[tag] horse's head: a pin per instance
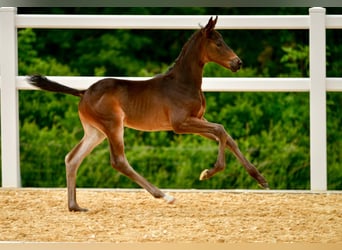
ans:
(216, 50)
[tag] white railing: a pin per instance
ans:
(317, 84)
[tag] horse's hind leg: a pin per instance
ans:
(120, 163)
(92, 138)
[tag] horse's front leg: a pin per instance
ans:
(232, 146)
(250, 168)
(193, 125)
(220, 162)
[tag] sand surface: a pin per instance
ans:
(41, 215)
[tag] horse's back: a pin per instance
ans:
(140, 104)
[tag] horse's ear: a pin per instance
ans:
(210, 25)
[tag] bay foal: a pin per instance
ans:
(170, 101)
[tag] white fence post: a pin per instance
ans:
(9, 99)
(318, 123)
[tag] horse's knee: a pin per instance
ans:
(220, 131)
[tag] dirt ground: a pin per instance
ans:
(41, 215)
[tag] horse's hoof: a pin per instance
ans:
(169, 199)
(204, 175)
(264, 186)
(77, 209)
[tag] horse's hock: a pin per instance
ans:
(40, 215)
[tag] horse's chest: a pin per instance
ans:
(199, 106)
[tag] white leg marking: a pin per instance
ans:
(169, 199)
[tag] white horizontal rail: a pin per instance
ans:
(333, 22)
(168, 22)
(233, 84)
(159, 22)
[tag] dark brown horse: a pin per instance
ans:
(170, 101)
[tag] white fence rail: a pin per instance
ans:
(317, 84)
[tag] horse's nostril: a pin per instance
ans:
(238, 61)
(236, 64)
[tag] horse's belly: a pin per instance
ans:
(149, 127)
(148, 123)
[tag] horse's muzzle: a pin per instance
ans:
(235, 64)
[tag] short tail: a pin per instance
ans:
(45, 84)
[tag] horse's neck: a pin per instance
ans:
(189, 67)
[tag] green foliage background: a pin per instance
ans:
(272, 129)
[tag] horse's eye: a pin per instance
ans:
(218, 43)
